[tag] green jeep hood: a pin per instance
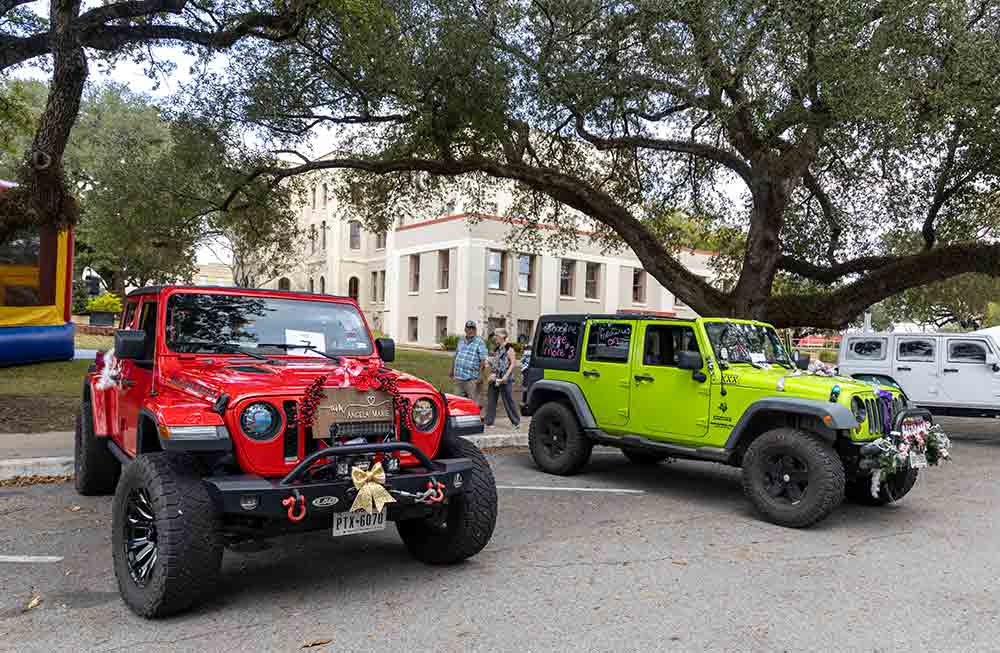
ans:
(807, 386)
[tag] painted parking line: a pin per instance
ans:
(549, 488)
(31, 559)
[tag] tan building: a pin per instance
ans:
(213, 274)
(426, 277)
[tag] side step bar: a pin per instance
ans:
(712, 454)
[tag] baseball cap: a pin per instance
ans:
(470, 325)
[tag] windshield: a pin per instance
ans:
(264, 325)
(737, 342)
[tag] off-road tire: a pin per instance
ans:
(466, 524)
(644, 457)
(189, 546)
(95, 468)
(825, 473)
(897, 487)
(575, 452)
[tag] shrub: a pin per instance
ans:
(105, 303)
(828, 357)
(450, 341)
(80, 297)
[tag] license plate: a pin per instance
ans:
(353, 523)
(918, 460)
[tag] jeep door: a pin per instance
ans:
(967, 373)
(667, 402)
(604, 370)
(137, 376)
(915, 367)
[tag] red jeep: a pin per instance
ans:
(233, 414)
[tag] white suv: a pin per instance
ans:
(947, 373)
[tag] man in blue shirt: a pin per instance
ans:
(470, 360)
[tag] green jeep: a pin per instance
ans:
(720, 390)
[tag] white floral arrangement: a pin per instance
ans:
(894, 450)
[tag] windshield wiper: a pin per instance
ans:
(225, 347)
(286, 346)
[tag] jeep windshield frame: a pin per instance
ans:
(203, 323)
(746, 343)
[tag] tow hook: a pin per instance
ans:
(435, 492)
(290, 503)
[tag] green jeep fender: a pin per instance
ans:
(841, 417)
(544, 389)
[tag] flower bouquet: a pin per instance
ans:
(902, 449)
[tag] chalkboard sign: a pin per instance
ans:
(609, 341)
(559, 339)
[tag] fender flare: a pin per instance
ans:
(572, 392)
(840, 416)
(144, 442)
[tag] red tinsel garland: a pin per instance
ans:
(368, 378)
(310, 401)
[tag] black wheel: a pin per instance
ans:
(95, 469)
(894, 489)
(166, 545)
(793, 477)
(556, 443)
(462, 527)
(644, 457)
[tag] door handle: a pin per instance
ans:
(644, 377)
(903, 369)
(126, 383)
(949, 369)
(591, 373)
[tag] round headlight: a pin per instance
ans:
(859, 410)
(424, 414)
(260, 420)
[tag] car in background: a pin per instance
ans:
(946, 373)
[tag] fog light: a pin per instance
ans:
(391, 464)
(249, 501)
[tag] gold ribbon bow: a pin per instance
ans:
(372, 495)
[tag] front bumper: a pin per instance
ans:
(248, 495)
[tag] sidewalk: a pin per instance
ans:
(51, 453)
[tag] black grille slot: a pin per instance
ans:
(363, 429)
(291, 441)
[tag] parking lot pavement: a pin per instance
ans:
(669, 558)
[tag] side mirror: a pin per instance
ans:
(689, 360)
(802, 360)
(130, 345)
(386, 348)
(993, 361)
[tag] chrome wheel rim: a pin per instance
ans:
(140, 536)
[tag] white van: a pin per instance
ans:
(947, 373)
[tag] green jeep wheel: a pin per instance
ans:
(556, 443)
(793, 477)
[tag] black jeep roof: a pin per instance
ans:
(154, 290)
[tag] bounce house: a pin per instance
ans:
(36, 282)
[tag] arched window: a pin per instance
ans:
(352, 288)
(324, 196)
(312, 239)
(322, 285)
(284, 283)
(355, 234)
(314, 197)
(311, 287)
(322, 235)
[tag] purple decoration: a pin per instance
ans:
(886, 402)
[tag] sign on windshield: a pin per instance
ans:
(739, 342)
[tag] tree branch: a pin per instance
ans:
(814, 187)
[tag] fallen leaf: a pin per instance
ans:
(680, 563)
(74, 508)
(34, 602)
(316, 642)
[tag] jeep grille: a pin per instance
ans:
(874, 406)
(364, 429)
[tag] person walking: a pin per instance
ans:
(502, 364)
(469, 363)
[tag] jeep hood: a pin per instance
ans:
(801, 384)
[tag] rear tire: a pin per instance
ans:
(556, 443)
(462, 527)
(162, 501)
(644, 457)
(897, 487)
(793, 477)
(95, 468)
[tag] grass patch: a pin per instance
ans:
(40, 397)
(88, 341)
(430, 366)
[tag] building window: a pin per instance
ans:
(495, 270)
(380, 240)
(526, 273)
(374, 286)
(312, 239)
(441, 327)
(638, 286)
(414, 272)
(444, 269)
(314, 197)
(284, 283)
(324, 196)
(355, 228)
(381, 285)
(411, 330)
(322, 285)
(312, 288)
(593, 281)
(353, 288)
(567, 277)
(524, 330)
(322, 236)
(495, 323)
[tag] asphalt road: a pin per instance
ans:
(685, 565)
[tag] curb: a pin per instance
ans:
(63, 465)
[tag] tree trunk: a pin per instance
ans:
(763, 248)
